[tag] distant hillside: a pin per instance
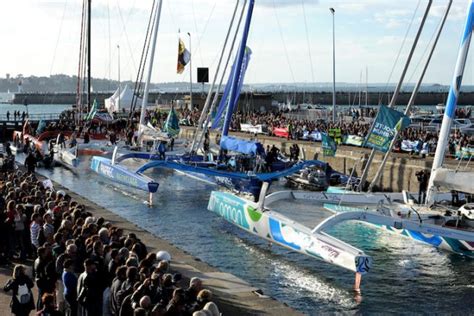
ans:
(65, 83)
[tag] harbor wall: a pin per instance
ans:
(258, 100)
(399, 172)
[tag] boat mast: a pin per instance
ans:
(451, 103)
(412, 98)
(216, 94)
(150, 65)
(89, 55)
(393, 101)
(366, 86)
(205, 109)
(238, 67)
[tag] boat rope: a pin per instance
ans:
(401, 48)
(124, 31)
(309, 46)
(110, 46)
(428, 46)
(283, 42)
(59, 37)
(198, 48)
(141, 67)
(80, 64)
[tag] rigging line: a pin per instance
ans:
(126, 35)
(110, 44)
(425, 50)
(401, 47)
(204, 31)
(307, 40)
(197, 32)
(59, 37)
(143, 58)
(283, 42)
(80, 65)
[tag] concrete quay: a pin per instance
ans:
(399, 172)
(233, 296)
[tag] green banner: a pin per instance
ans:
(387, 123)
(329, 145)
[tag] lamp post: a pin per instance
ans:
(190, 73)
(333, 67)
(119, 92)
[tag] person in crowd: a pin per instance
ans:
(22, 302)
(69, 280)
(44, 273)
(89, 293)
(49, 306)
(423, 178)
(30, 162)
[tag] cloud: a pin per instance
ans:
(285, 3)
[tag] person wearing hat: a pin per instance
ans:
(191, 293)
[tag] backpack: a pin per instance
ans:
(41, 236)
(23, 294)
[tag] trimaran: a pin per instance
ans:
(433, 224)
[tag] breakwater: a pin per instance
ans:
(399, 172)
(259, 99)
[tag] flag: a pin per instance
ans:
(171, 125)
(225, 100)
(41, 127)
(92, 112)
(184, 56)
(387, 123)
(329, 145)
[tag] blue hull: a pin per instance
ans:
(122, 175)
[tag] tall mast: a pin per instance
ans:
(366, 85)
(393, 101)
(190, 73)
(412, 98)
(150, 65)
(451, 104)
(207, 112)
(89, 55)
(238, 65)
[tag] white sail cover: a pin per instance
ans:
(454, 180)
(148, 132)
(117, 102)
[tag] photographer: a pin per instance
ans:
(422, 177)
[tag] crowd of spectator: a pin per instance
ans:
(83, 265)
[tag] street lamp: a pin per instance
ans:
(118, 70)
(190, 73)
(333, 67)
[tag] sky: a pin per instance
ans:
(291, 40)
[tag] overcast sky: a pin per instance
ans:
(41, 37)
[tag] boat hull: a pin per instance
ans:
(276, 228)
(122, 175)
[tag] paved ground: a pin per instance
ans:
(233, 295)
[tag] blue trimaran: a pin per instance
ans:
(435, 225)
(191, 163)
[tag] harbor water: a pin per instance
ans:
(407, 277)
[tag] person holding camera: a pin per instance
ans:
(423, 178)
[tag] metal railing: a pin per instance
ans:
(31, 117)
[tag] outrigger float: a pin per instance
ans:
(110, 169)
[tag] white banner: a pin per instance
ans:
(408, 145)
(255, 129)
(315, 136)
